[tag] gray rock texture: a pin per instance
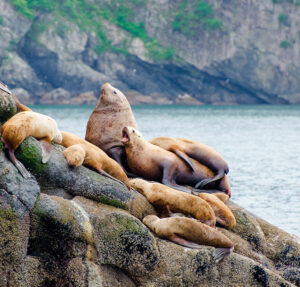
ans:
(252, 58)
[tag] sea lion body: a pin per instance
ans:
(104, 127)
(154, 163)
(223, 214)
(80, 152)
(25, 124)
(177, 201)
(184, 230)
(198, 151)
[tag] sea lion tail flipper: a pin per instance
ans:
(207, 181)
(220, 253)
(183, 156)
(183, 242)
(46, 149)
(21, 168)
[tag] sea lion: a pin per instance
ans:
(177, 201)
(154, 163)
(189, 232)
(25, 124)
(104, 127)
(187, 149)
(79, 151)
(223, 214)
(222, 196)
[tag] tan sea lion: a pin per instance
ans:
(223, 214)
(187, 149)
(222, 196)
(79, 151)
(177, 201)
(191, 233)
(25, 124)
(104, 127)
(154, 163)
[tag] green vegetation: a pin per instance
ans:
(1, 20)
(285, 44)
(188, 19)
(283, 19)
(89, 17)
(295, 2)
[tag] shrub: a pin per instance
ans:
(285, 44)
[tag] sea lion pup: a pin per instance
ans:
(223, 214)
(187, 149)
(162, 196)
(191, 233)
(79, 151)
(154, 163)
(25, 124)
(104, 127)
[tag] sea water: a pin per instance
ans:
(260, 143)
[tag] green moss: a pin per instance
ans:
(7, 214)
(113, 202)
(1, 144)
(283, 19)
(285, 44)
(30, 154)
(189, 18)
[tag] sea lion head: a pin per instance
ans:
(74, 155)
(130, 135)
(139, 185)
(150, 219)
(111, 96)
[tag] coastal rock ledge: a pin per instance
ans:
(65, 227)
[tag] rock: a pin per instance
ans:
(87, 98)
(23, 96)
(57, 96)
(80, 181)
(8, 107)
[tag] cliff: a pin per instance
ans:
(75, 227)
(156, 51)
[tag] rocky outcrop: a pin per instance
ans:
(74, 227)
(161, 51)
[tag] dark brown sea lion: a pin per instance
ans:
(79, 151)
(191, 233)
(187, 149)
(104, 127)
(154, 163)
(162, 196)
(25, 124)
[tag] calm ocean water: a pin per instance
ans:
(260, 143)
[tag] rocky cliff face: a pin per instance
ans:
(160, 51)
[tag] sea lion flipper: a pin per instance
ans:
(201, 184)
(185, 158)
(220, 253)
(183, 242)
(21, 168)
(46, 149)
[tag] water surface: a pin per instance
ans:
(260, 143)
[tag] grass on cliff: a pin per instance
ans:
(189, 18)
(88, 17)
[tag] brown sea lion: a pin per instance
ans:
(154, 163)
(223, 214)
(79, 151)
(191, 233)
(25, 124)
(177, 201)
(222, 196)
(187, 149)
(104, 127)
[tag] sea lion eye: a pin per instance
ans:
(115, 92)
(134, 131)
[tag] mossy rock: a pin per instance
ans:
(8, 107)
